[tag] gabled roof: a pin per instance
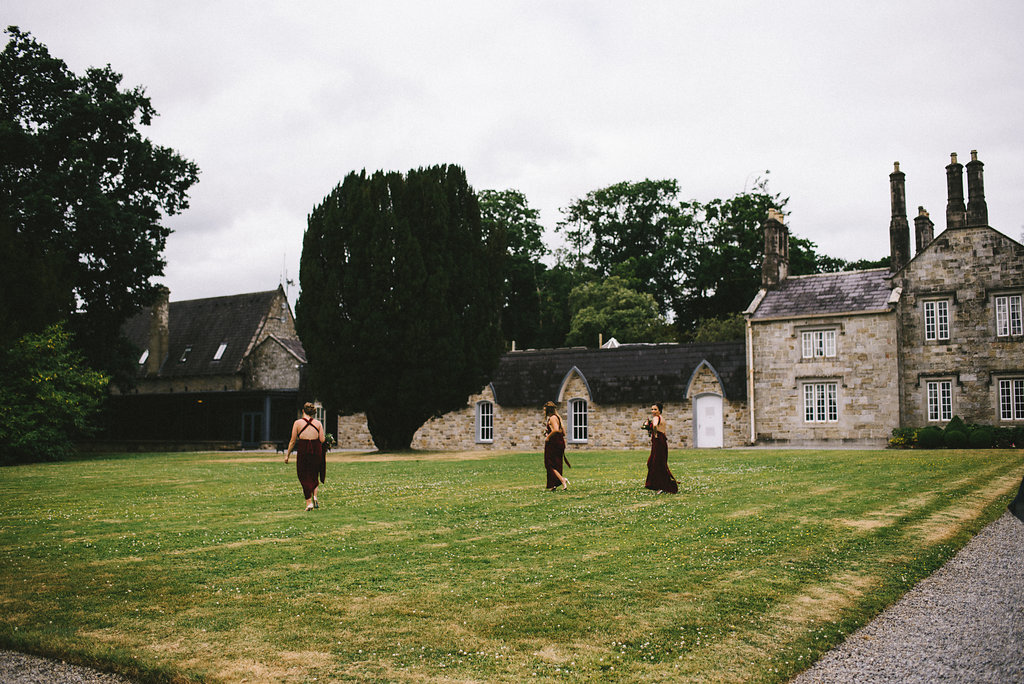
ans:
(826, 294)
(201, 326)
(628, 374)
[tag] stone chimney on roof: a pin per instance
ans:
(159, 331)
(775, 267)
(924, 229)
(899, 229)
(956, 211)
(977, 209)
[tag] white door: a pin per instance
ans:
(707, 418)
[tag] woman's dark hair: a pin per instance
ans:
(308, 408)
(658, 404)
(550, 408)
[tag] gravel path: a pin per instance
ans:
(964, 623)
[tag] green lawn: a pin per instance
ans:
(205, 567)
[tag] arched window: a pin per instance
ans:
(484, 421)
(578, 420)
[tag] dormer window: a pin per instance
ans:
(145, 355)
(184, 354)
(220, 351)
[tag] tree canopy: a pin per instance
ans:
(610, 308)
(400, 301)
(82, 199)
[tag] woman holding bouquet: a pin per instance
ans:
(554, 447)
(659, 477)
(310, 462)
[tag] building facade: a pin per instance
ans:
(222, 372)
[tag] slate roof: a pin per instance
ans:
(628, 374)
(205, 324)
(827, 293)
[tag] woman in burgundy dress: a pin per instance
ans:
(308, 442)
(659, 477)
(554, 447)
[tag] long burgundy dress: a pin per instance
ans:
(309, 462)
(554, 451)
(659, 477)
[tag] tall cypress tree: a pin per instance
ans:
(400, 302)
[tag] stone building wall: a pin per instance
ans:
(271, 366)
(864, 368)
(967, 267)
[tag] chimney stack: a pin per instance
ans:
(956, 212)
(924, 229)
(775, 267)
(159, 335)
(977, 209)
(899, 229)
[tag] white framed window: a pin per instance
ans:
(821, 402)
(220, 351)
(1011, 399)
(1008, 316)
(184, 354)
(578, 431)
(818, 343)
(940, 400)
(145, 355)
(484, 421)
(936, 320)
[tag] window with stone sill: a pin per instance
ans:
(940, 400)
(821, 402)
(484, 422)
(818, 343)
(936, 320)
(578, 427)
(1008, 316)
(1011, 399)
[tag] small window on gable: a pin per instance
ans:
(145, 355)
(184, 354)
(936, 320)
(220, 351)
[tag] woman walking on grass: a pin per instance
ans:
(308, 442)
(554, 447)
(659, 477)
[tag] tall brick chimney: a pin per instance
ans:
(924, 229)
(159, 331)
(977, 209)
(899, 229)
(775, 267)
(956, 211)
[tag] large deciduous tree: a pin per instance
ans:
(400, 301)
(82, 199)
(610, 308)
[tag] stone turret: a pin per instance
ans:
(924, 229)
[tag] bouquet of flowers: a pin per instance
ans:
(648, 426)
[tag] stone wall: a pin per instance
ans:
(521, 428)
(271, 366)
(864, 367)
(967, 267)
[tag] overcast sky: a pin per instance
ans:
(277, 101)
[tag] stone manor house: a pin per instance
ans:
(828, 359)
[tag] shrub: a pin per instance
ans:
(1003, 438)
(956, 424)
(955, 439)
(903, 438)
(929, 437)
(1018, 436)
(982, 437)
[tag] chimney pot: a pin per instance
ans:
(977, 209)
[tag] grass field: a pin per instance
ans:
(447, 567)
